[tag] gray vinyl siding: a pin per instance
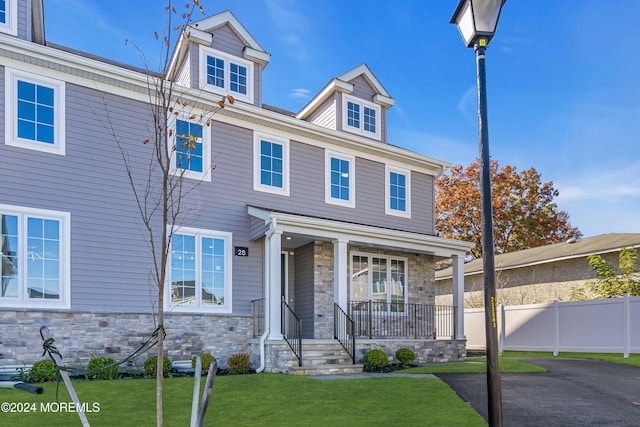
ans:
(304, 298)
(184, 76)
(362, 89)
(24, 20)
(225, 40)
(233, 178)
(110, 261)
(326, 115)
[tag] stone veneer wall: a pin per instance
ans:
(420, 286)
(279, 358)
(427, 351)
(81, 336)
(323, 290)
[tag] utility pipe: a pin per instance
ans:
(267, 298)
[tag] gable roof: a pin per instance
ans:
(227, 18)
(342, 84)
(201, 32)
(604, 243)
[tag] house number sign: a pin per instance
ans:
(242, 251)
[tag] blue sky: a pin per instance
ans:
(563, 79)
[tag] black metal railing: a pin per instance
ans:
(343, 331)
(376, 319)
(257, 308)
(292, 331)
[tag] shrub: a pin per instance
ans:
(239, 364)
(206, 360)
(43, 371)
(150, 366)
(405, 355)
(96, 368)
(375, 359)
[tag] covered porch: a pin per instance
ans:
(328, 280)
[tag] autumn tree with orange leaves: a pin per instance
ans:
(524, 212)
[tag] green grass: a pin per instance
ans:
(633, 359)
(508, 362)
(258, 400)
(473, 365)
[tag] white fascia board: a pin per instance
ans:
(197, 36)
(259, 56)
(335, 85)
(385, 101)
(309, 133)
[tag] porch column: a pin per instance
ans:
(273, 247)
(458, 296)
(340, 263)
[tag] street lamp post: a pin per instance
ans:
(477, 21)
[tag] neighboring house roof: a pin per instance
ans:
(601, 244)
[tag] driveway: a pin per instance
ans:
(571, 393)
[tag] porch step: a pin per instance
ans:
(312, 370)
(325, 357)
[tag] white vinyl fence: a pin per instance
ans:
(605, 326)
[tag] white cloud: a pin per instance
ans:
(291, 25)
(300, 93)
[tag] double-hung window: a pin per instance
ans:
(270, 164)
(35, 258)
(397, 191)
(9, 17)
(381, 280)
(200, 271)
(225, 74)
(190, 145)
(360, 116)
(34, 112)
(339, 179)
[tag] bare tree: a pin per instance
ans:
(160, 190)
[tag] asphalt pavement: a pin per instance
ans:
(571, 393)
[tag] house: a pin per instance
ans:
(310, 225)
(538, 275)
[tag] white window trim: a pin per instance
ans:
(387, 193)
(360, 130)
(11, 78)
(257, 185)
(11, 13)
(226, 91)
(205, 175)
(369, 284)
(64, 219)
(328, 155)
(228, 278)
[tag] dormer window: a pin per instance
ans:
(360, 116)
(9, 17)
(225, 74)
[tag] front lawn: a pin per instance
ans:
(474, 365)
(633, 359)
(256, 400)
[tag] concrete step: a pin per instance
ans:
(312, 370)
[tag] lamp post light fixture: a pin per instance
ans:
(477, 21)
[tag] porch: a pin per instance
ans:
(356, 284)
(426, 329)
